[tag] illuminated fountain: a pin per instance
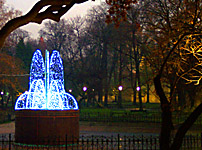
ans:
(46, 89)
(46, 102)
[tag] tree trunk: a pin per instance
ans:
(132, 82)
(106, 97)
(177, 143)
(2, 101)
(100, 92)
(147, 80)
(133, 85)
(120, 78)
(139, 85)
(148, 93)
(192, 95)
(166, 124)
(181, 96)
(136, 51)
(134, 97)
(7, 101)
(104, 67)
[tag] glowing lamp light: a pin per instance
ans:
(70, 90)
(46, 86)
(120, 88)
(2, 93)
(85, 88)
(138, 88)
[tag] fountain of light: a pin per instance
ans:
(46, 110)
(46, 90)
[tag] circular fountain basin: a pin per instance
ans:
(46, 127)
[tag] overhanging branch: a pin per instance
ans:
(56, 9)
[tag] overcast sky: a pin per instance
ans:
(26, 5)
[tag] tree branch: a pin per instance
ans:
(170, 52)
(50, 13)
(185, 127)
(56, 9)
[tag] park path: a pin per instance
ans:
(99, 128)
(7, 128)
(108, 129)
(93, 128)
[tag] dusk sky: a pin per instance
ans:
(26, 5)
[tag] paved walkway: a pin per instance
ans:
(107, 129)
(92, 128)
(7, 128)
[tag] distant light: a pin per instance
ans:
(70, 90)
(120, 88)
(2, 93)
(85, 88)
(138, 88)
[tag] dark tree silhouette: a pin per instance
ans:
(54, 10)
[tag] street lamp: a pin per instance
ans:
(85, 95)
(2, 93)
(138, 88)
(85, 88)
(120, 88)
(70, 90)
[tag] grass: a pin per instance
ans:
(127, 110)
(125, 114)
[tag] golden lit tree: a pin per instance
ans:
(171, 27)
(189, 62)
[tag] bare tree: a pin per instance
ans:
(54, 9)
(55, 34)
(169, 25)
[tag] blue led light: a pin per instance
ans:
(46, 86)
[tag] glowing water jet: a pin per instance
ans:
(46, 86)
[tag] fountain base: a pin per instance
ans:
(46, 127)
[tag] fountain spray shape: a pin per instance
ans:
(46, 86)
